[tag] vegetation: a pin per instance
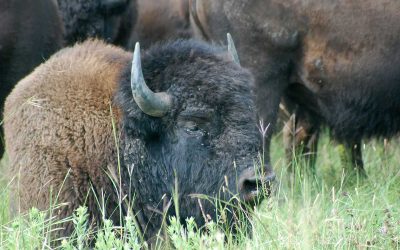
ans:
(328, 210)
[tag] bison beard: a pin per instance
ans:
(65, 141)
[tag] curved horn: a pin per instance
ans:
(153, 104)
(232, 49)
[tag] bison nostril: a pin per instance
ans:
(251, 187)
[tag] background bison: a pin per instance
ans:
(30, 31)
(60, 137)
(162, 20)
(123, 22)
(333, 63)
(111, 20)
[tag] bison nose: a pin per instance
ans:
(251, 185)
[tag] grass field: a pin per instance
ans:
(327, 211)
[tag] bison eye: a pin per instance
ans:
(192, 128)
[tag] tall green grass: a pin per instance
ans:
(329, 210)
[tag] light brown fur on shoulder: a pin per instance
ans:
(58, 126)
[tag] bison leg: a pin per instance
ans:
(300, 137)
(351, 156)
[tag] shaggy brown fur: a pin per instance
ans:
(48, 140)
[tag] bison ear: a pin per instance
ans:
(153, 104)
(232, 49)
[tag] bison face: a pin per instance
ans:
(207, 143)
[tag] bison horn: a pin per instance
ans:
(153, 104)
(232, 49)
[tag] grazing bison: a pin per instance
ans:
(162, 20)
(333, 62)
(111, 20)
(30, 31)
(186, 134)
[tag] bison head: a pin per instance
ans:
(188, 129)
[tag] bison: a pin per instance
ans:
(88, 119)
(161, 21)
(30, 31)
(111, 20)
(334, 63)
